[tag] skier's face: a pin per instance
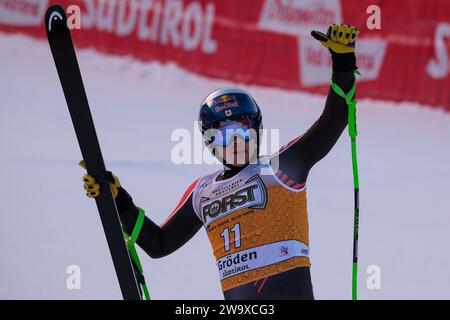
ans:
(238, 153)
(233, 141)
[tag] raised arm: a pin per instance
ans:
(300, 155)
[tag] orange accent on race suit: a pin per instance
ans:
(262, 284)
(290, 183)
(185, 196)
(283, 148)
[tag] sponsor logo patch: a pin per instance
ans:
(253, 194)
(284, 250)
(225, 102)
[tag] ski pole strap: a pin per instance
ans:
(351, 103)
(138, 226)
(133, 253)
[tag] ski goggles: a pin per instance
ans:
(223, 134)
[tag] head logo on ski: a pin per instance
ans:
(55, 15)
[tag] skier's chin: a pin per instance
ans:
(237, 160)
(237, 165)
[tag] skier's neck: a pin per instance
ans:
(230, 171)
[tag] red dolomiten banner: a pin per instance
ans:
(266, 42)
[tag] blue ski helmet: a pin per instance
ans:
(227, 104)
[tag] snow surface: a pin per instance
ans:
(46, 223)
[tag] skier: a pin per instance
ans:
(254, 210)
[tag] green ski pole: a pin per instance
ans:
(130, 241)
(351, 103)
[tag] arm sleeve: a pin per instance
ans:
(159, 241)
(298, 157)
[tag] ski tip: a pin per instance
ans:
(55, 17)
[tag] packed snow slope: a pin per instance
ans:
(47, 224)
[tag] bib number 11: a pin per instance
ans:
(236, 230)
